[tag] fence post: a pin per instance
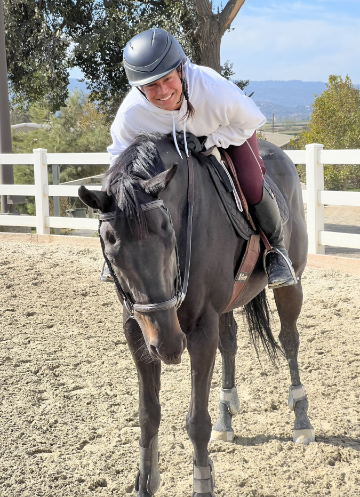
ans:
(41, 196)
(315, 211)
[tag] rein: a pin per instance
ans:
(180, 293)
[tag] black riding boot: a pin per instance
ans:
(277, 264)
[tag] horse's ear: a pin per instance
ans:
(95, 199)
(158, 183)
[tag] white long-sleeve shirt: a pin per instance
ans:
(223, 113)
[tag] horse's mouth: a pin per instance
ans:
(168, 360)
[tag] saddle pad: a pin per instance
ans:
(240, 224)
(237, 218)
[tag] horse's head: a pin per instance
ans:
(139, 241)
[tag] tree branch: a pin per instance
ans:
(203, 8)
(229, 13)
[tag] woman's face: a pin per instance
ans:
(165, 92)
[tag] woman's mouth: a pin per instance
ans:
(166, 98)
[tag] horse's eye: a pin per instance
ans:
(164, 225)
(110, 237)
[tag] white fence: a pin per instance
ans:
(315, 196)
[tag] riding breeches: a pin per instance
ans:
(250, 169)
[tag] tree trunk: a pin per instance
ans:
(211, 27)
(209, 39)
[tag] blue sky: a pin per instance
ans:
(284, 40)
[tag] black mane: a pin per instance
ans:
(141, 160)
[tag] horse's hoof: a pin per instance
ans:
(304, 437)
(224, 436)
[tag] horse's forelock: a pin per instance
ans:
(141, 160)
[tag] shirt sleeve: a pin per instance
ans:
(122, 135)
(238, 118)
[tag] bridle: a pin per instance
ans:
(180, 293)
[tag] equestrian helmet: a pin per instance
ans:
(151, 55)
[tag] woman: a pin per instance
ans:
(170, 94)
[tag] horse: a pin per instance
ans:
(146, 215)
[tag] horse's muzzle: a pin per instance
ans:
(168, 353)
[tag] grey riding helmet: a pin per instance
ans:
(151, 55)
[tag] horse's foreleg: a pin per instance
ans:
(148, 477)
(202, 344)
(289, 301)
(229, 402)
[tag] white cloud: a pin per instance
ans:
(310, 50)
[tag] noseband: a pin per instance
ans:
(180, 293)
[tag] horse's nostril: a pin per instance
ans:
(154, 350)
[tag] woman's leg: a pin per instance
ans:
(263, 207)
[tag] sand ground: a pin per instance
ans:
(68, 407)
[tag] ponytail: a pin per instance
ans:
(185, 90)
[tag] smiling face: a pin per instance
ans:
(165, 93)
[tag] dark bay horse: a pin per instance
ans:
(144, 229)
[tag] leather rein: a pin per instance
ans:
(180, 293)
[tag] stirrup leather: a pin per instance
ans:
(287, 261)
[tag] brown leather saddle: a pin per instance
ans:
(224, 177)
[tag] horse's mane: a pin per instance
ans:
(141, 160)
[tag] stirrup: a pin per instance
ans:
(105, 274)
(204, 478)
(291, 281)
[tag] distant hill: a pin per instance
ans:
(286, 99)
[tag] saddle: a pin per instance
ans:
(223, 174)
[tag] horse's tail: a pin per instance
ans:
(258, 317)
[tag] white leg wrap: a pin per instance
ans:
(304, 437)
(224, 436)
(230, 397)
(204, 479)
(149, 465)
(296, 394)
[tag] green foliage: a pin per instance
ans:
(36, 53)
(78, 127)
(227, 72)
(335, 123)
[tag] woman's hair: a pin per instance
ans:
(185, 89)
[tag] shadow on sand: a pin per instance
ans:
(335, 440)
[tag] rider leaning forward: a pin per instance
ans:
(170, 94)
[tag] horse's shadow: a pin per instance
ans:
(336, 440)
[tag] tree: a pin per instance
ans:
(211, 28)
(78, 127)
(45, 37)
(335, 123)
(36, 50)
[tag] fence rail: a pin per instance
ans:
(314, 157)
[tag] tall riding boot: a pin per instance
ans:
(277, 264)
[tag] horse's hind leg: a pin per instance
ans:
(289, 301)
(229, 401)
(148, 477)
